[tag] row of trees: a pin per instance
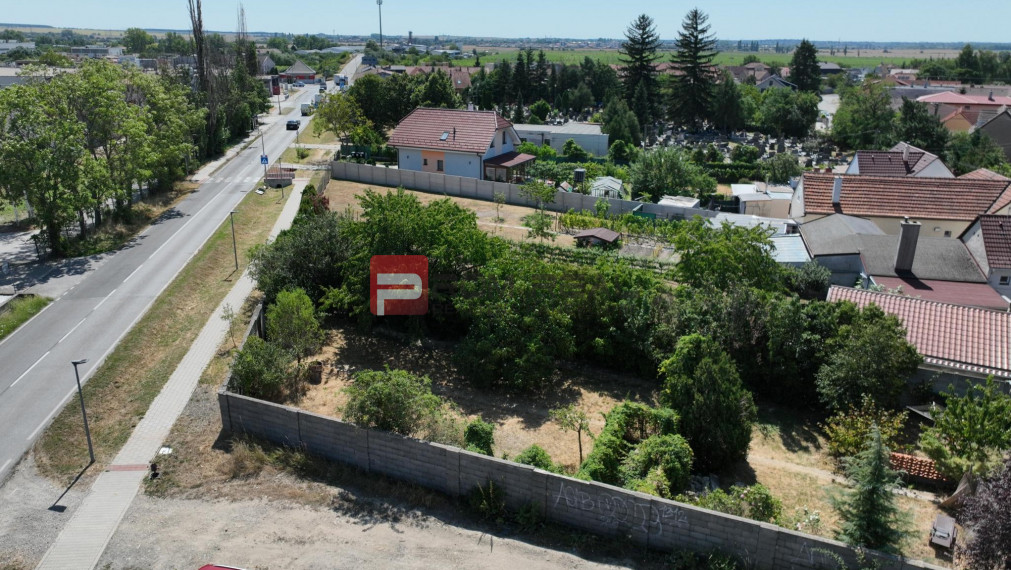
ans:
(971, 66)
(78, 145)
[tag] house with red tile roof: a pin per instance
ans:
(456, 142)
(902, 159)
(989, 241)
(944, 206)
(960, 121)
(955, 341)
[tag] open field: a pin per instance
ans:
(342, 195)
(121, 391)
(866, 58)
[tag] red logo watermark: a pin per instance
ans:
(398, 285)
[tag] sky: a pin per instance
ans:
(853, 20)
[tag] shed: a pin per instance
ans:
(597, 236)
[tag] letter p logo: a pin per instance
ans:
(398, 285)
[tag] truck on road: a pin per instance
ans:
(306, 109)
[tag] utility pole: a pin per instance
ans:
(380, 4)
(80, 394)
(235, 250)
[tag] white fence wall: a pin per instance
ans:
(485, 190)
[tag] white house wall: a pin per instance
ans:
(935, 169)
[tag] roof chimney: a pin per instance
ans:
(991, 96)
(905, 153)
(909, 234)
(454, 133)
(837, 189)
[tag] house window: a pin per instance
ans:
(947, 233)
(438, 165)
(503, 138)
(1005, 280)
(424, 162)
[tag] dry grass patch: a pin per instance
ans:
(520, 420)
(121, 391)
(290, 155)
(342, 195)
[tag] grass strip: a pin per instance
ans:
(18, 311)
(120, 392)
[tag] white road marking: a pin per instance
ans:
(4, 466)
(133, 273)
(102, 302)
(71, 330)
(25, 373)
(58, 407)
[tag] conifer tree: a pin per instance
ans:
(869, 515)
(639, 55)
(804, 70)
(693, 89)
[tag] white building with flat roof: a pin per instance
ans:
(10, 45)
(586, 135)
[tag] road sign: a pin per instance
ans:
(263, 159)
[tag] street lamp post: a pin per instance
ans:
(380, 4)
(80, 394)
(235, 250)
(263, 144)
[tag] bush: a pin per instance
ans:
(668, 454)
(575, 152)
(391, 400)
(745, 154)
(261, 370)
(781, 168)
(755, 502)
(479, 437)
(488, 502)
(972, 431)
(848, 430)
(292, 324)
(701, 383)
(536, 456)
(626, 425)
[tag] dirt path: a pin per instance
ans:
(823, 475)
(174, 533)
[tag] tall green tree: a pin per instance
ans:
(804, 70)
(869, 514)
(711, 257)
(786, 112)
(727, 112)
(669, 171)
(969, 151)
(437, 91)
(340, 115)
(620, 123)
(871, 356)
(693, 90)
(971, 431)
(919, 127)
(639, 54)
(702, 385)
(43, 155)
(865, 119)
(136, 40)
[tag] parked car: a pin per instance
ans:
(299, 84)
(293, 125)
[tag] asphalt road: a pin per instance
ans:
(89, 320)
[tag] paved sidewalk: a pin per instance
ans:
(83, 539)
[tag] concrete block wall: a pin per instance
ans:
(485, 190)
(593, 507)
